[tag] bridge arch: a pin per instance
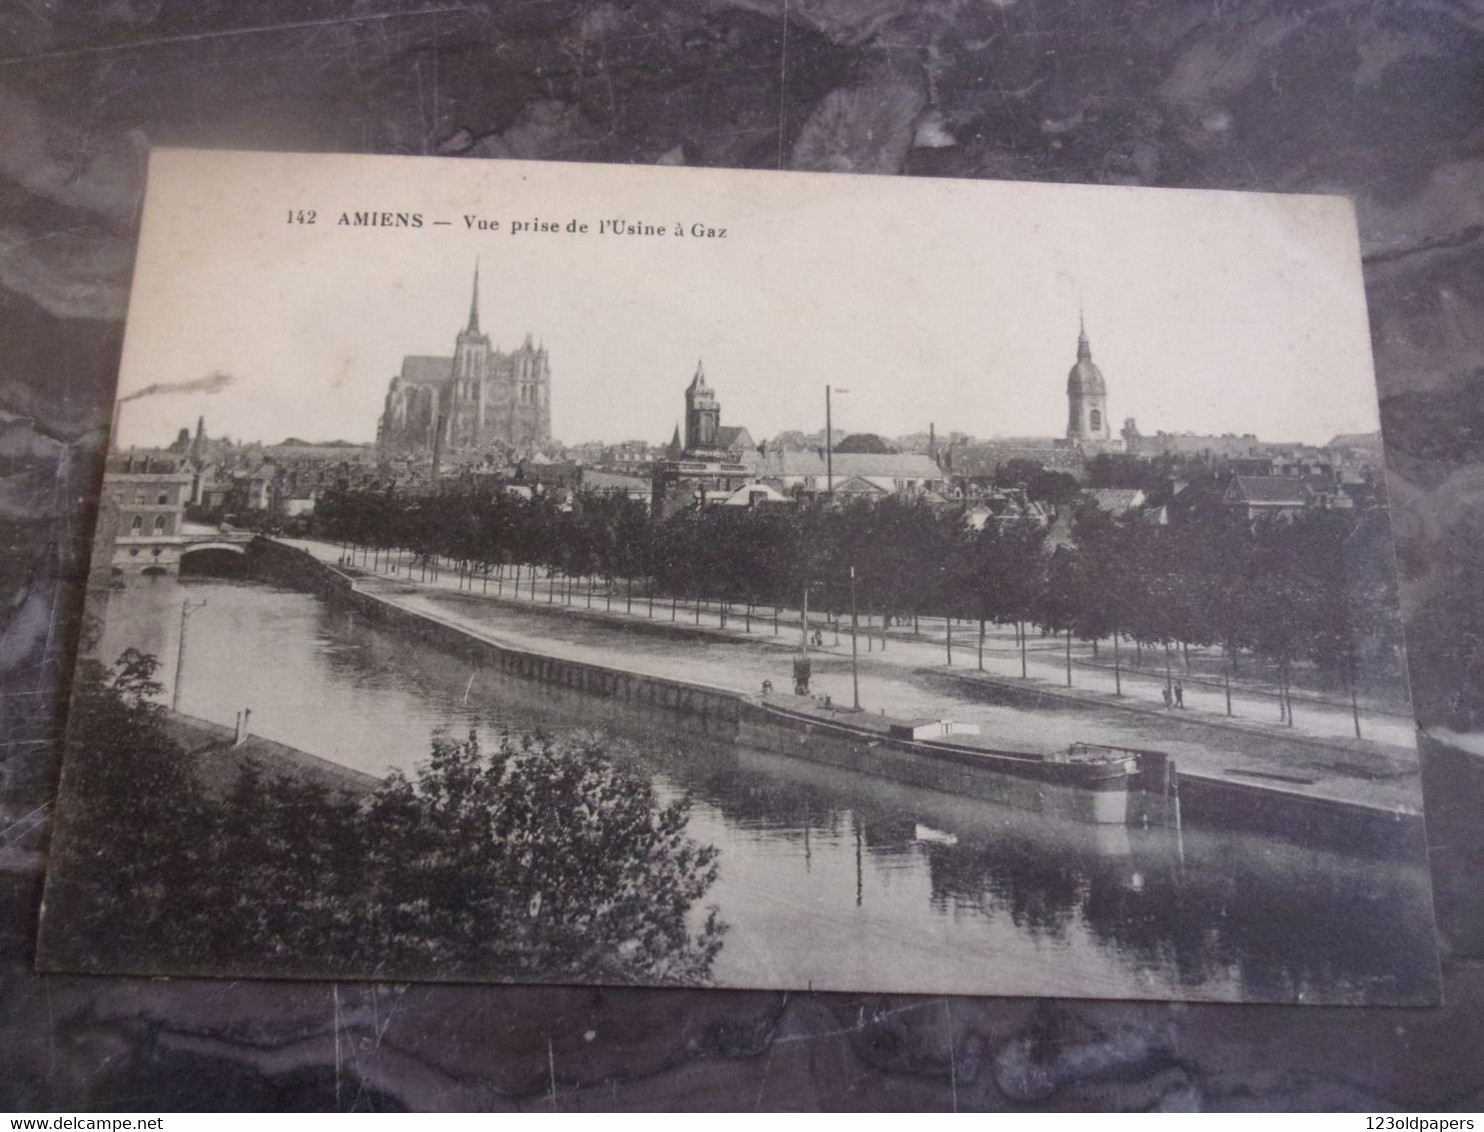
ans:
(217, 559)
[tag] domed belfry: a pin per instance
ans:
(1087, 395)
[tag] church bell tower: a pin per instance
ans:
(1087, 395)
(702, 414)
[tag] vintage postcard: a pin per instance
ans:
(557, 573)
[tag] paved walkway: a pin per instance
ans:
(1319, 755)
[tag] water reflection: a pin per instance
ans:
(831, 879)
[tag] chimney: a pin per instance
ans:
(242, 718)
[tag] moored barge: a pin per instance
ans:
(1086, 782)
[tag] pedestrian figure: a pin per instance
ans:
(801, 675)
(1179, 694)
(1167, 695)
(767, 687)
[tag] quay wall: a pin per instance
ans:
(1224, 803)
(1218, 803)
(221, 752)
(703, 708)
(719, 712)
(1011, 693)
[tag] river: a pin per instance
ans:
(827, 879)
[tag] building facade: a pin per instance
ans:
(850, 474)
(480, 401)
(145, 500)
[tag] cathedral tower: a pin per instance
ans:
(465, 397)
(479, 403)
(1087, 395)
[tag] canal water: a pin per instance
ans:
(827, 879)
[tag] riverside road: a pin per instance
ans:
(1318, 756)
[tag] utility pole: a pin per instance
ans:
(186, 609)
(829, 443)
(805, 620)
(855, 677)
(829, 448)
(801, 662)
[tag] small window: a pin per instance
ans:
(1095, 420)
(164, 498)
(133, 552)
(159, 524)
(138, 524)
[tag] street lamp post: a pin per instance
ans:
(186, 609)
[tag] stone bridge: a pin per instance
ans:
(163, 554)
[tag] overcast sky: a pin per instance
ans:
(953, 302)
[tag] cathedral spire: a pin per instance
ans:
(1084, 351)
(474, 302)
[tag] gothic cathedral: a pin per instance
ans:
(479, 402)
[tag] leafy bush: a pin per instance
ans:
(541, 860)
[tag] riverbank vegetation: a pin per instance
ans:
(1314, 592)
(534, 861)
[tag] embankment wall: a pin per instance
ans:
(1207, 802)
(704, 708)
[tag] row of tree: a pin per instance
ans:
(1314, 588)
(535, 861)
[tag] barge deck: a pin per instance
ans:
(1086, 782)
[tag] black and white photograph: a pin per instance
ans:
(536, 573)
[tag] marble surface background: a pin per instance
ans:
(1379, 100)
